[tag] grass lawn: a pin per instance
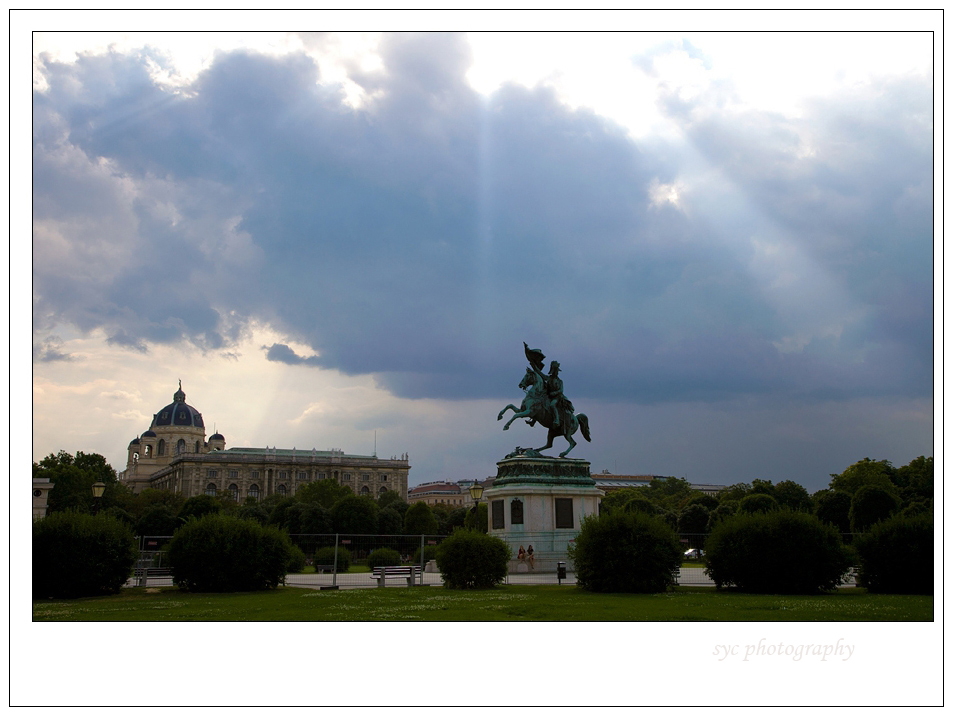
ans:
(506, 603)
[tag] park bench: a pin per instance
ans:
(323, 568)
(410, 573)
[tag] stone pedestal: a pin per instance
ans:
(540, 501)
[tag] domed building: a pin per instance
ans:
(173, 454)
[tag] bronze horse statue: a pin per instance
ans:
(537, 408)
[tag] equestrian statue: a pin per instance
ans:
(545, 404)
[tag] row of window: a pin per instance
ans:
(180, 448)
(283, 475)
(254, 491)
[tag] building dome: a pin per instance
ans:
(218, 436)
(134, 441)
(178, 413)
(147, 434)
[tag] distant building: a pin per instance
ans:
(439, 493)
(708, 489)
(173, 454)
(608, 482)
(41, 493)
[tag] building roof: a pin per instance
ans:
(178, 413)
(441, 488)
(293, 452)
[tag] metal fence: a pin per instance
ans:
(548, 563)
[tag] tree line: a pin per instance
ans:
(321, 507)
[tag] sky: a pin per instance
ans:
(343, 240)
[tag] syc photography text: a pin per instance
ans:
(795, 652)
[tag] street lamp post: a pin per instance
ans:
(98, 488)
(476, 492)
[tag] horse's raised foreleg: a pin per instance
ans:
(508, 407)
(517, 413)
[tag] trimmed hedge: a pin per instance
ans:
(220, 553)
(383, 557)
(780, 552)
(80, 555)
(325, 555)
(896, 556)
(625, 552)
(469, 559)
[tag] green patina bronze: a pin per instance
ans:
(545, 404)
(524, 470)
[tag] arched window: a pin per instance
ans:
(198, 443)
(281, 490)
(211, 490)
(253, 491)
(233, 491)
(365, 490)
(382, 490)
(162, 447)
(148, 451)
(180, 447)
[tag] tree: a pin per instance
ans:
(389, 521)
(915, 480)
(793, 496)
(616, 499)
(73, 476)
(392, 497)
(252, 511)
(478, 520)
(420, 520)
(639, 503)
(456, 518)
(279, 510)
(693, 519)
(833, 508)
(762, 487)
(355, 515)
(308, 518)
(870, 505)
(865, 472)
(323, 492)
(157, 521)
(697, 497)
(199, 506)
(734, 493)
(757, 502)
(669, 491)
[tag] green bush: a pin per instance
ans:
(469, 559)
(383, 557)
(420, 520)
(220, 553)
(779, 552)
(325, 555)
(79, 555)
(625, 552)
(430, 552)
(297, 560)
(896, 556)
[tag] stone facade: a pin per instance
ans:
(174, 455)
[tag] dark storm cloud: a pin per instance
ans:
(423, 237)
(281, 353)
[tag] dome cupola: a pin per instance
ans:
(178, 413)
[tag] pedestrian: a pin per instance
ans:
(530, 558)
